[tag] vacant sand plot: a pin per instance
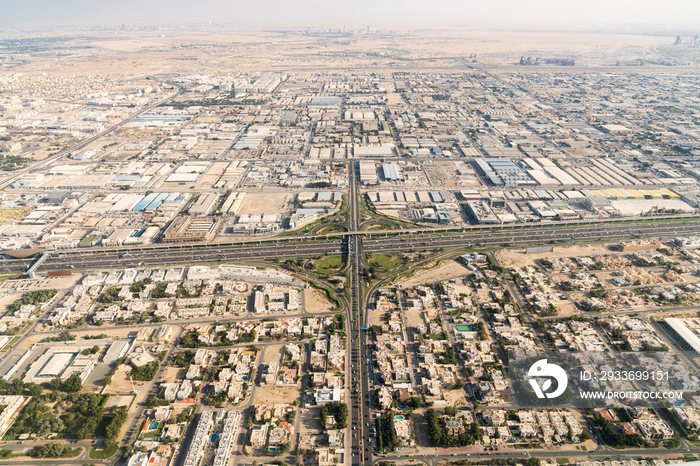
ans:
(265, 203)
(310, 421)
(273, 354)
(174, 373)
(414, 317)
(518, 257)
(62, 283)
(120, 383)
(275, 395)
(565, 308)
(378, 318)
(483, 296)
(7, 301)
(111, 332)
(316, 301)
(455, 397)
(446, 270)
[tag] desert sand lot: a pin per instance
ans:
(120, 383)
(270, 394)
(414, 317)
(316, 301)
(172, 374)
(565, 308)
(518, 257)
(273, 353)
(7, 301)
(265, 203)
(456, 397)
(448, 269)
(112, 332)
(229, 50)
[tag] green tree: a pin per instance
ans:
(73, 384)
(55, 384)
(35, 390)
(16, 387)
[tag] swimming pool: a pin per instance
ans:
(398, 418)
(153, 425)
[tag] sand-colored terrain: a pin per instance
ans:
(518, 257)
(446, 270)
(111, 332)
(565, 308)
(316, 301)
(173, 374)
(121, 383)
(456, 397)
(414, 317)
(227, 50)
(265, 203)
(7, 301)
(273, 354)
(270, 394)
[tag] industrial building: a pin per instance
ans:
(391, 172)
(116, 351)
(186, 229)
(62, 362)
(203, 204)
(501, 172)
(481, 212)
(682, 334)
(368, 173)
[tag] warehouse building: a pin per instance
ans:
(185, 229)
(203, 204)
(391, 172)
(116, 351)
(61, 362)
(683, 335)
(481, 212)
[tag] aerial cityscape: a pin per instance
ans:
(231, 244)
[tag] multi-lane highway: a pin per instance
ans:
(95, 258)
(359, 412)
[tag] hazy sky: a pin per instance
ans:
(523, 14)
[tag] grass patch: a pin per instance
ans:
(330, 229)
(10, 343)
(154, 434)
(329, 265)
(385, 261)
(108, 452)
